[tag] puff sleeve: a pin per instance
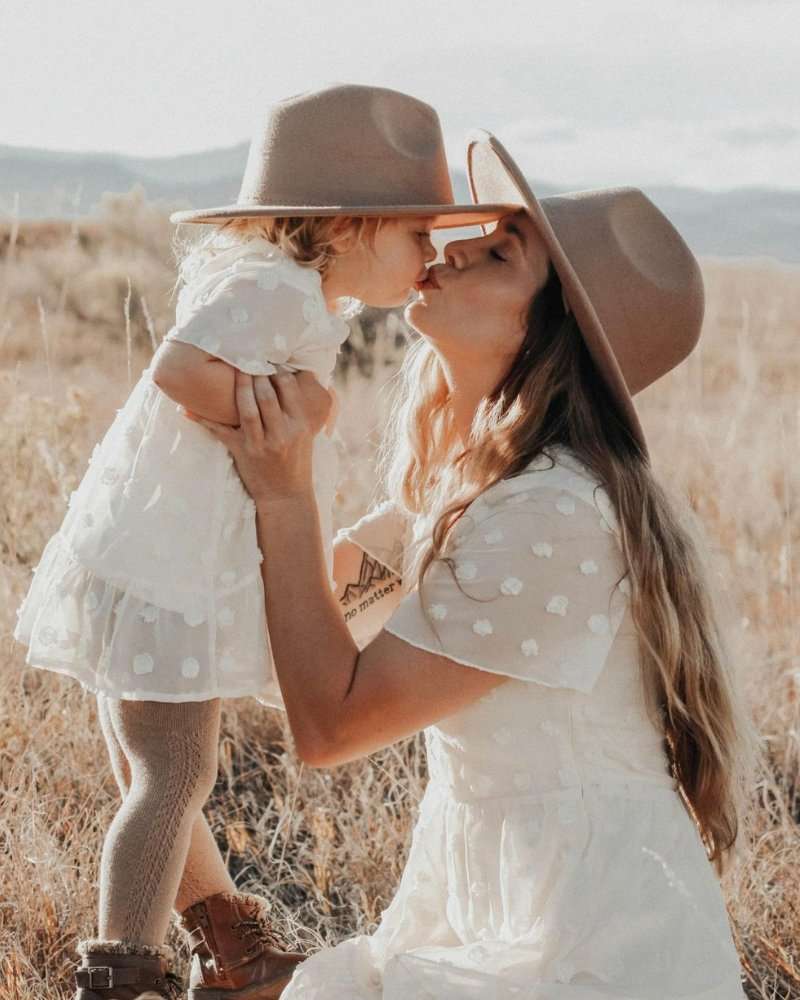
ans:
(255, 316)
(381, 533)
(534, 593)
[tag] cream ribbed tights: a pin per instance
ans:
(159, 852)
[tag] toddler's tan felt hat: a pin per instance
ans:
(632, 283)
(348, 149)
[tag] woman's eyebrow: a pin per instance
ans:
(512, 228)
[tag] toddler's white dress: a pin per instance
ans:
(553, 858)
(151, 588)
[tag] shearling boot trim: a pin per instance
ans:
(240, 897)
(233, 897)
(95, 945)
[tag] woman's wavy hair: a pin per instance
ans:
(552, 394)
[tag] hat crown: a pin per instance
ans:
(394, 140)
(643, 282)
(347, 149)
(631, 281)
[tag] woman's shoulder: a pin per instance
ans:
(555, 476)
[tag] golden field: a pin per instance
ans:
(82, 308)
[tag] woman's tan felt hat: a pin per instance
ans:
(348, 150)
(633, 285)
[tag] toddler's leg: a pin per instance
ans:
(120, 767)
(205, 872)
(171, 750)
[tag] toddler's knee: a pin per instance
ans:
(174, 747)
(194, 761)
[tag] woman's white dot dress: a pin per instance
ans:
(553, 858)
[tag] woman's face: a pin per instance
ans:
(474, 305)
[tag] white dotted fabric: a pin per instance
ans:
(531, 593)
(552, 857)
(255, 308)
(380, 533)
(151, 588)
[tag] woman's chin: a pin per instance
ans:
(417, 314)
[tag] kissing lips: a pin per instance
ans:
(429, 281)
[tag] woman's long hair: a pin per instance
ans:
(551, 395)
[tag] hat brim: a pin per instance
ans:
(494, 175)
(444, 216)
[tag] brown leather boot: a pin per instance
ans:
(235, 951)
(124, 970)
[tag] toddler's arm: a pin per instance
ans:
(197, 380)
(252, 318)
(205, 384)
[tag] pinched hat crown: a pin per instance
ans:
(348, 149)
(631, 281)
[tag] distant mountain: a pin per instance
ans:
(747, 222)
(55, 184)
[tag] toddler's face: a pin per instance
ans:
(384, 273)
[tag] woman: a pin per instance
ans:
(541, 612)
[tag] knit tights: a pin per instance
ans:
(159, 851)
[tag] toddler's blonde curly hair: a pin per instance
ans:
(312, 241)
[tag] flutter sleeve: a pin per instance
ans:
(381, 533)
(251, 316)
(532, 590)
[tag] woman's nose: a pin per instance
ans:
(454, 255)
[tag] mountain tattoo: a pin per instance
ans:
(359, 595)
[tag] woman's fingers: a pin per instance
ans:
(318, 401)
(255, 405)
(271, 449)
(304, 399)
(280, 406)
(288, 394)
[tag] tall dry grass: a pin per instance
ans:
(82, 307)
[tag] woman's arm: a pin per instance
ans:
(341, 703)
(197, 380)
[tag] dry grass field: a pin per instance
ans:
(81, 309)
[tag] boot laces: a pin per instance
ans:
(173, 986)
(260, 929)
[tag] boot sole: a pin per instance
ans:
(263, 991)
(86, 995)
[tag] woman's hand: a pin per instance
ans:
(279, 416)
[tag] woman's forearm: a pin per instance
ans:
(315, 655)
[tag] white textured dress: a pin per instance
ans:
(151, 588)
(553, 858)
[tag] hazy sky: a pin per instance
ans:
(699, 92)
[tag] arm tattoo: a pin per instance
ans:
(356, 596)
